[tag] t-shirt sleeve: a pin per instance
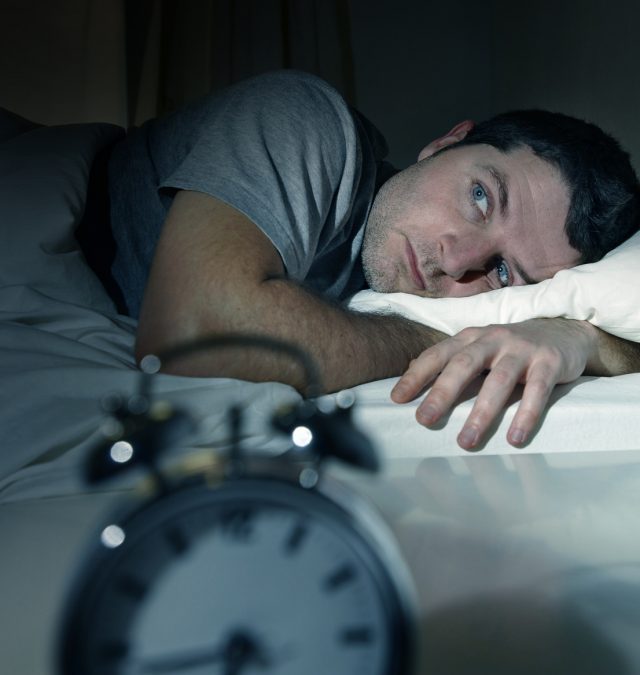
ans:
(283, 149)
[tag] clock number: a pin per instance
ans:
(345, 574)
(113, 652)
(356, 635)
(296, 538)
(177, 540)
(131, 587)
(238, 524)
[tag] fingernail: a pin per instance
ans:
(398, 387)
(517, 436)
(468, 437)
(427, 414)
(399, 391)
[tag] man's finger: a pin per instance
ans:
(491, 400)
(537, 389)
(420, 373)
(426, 367)
(463, 367)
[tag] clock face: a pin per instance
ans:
(256, 576)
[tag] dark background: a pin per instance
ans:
(414, 67)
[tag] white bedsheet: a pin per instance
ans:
(589, 415)
(59, 361)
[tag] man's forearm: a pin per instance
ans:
(612, 355)
(349, 348)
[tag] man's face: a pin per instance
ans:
(468, 220)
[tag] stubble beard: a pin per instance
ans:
(380, 274)
(383, 274)
(388, 213)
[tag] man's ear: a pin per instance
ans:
(454, 136)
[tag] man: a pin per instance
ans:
(248, 212)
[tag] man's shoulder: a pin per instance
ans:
(291, 80)
(294, 91)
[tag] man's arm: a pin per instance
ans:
(539, 354)
(215, 272)
(612, 355)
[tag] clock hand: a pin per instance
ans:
(239, 651)
(242, 650)
(185, 661)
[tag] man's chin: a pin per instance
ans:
(420, 292)
(430, 290)
(382, 283)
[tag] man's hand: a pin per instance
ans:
(539, 353)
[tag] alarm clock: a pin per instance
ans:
(237, 563)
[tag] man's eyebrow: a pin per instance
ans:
(503, 199)
(518, 267)
(503, 186)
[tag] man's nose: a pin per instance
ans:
(464, 254)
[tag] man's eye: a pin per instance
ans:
(480, 197)
(502, 270)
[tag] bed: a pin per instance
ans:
(539, 539)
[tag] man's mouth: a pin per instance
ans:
(414, 269)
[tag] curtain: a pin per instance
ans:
(177, 51)
(63, 61)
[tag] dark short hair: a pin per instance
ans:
(604, 190)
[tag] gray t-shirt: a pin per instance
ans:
(284, 149)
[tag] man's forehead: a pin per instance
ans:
(520, 159)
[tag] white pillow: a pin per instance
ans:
(606, 293)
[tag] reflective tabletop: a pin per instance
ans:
(521, 563)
